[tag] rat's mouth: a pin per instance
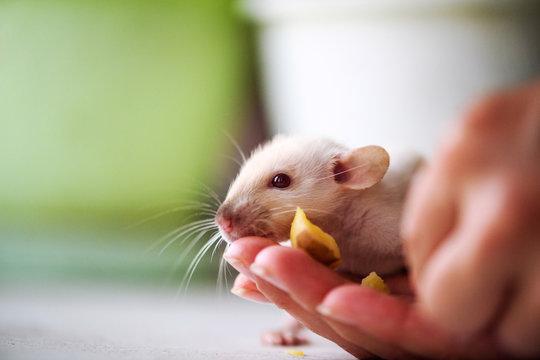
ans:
(235, 235)
(232, 228)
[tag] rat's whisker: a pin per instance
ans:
(164, 202)
(165, 212)
(209, 194)
(209, 225)
(318, 211)
(265, 222)
(291, 208)
(199, 202)
(190, 246)
(232, 158)
(224, 270)
(192, 243)
(235, 144)
(175, 231)
(284, 212)
(226, 274)
(195, 262)
(227, 268)
(216, 247)
(211, 213)
(287, 206)
(199, 229)
(343, 172)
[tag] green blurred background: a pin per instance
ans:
(112, 111)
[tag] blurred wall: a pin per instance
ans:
(110, 105)
(111, 111)
(396, 73)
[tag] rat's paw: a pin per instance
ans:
(283, 338)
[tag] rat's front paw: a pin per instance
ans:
(283, 338)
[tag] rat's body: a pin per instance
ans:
(341, 191)
(367, 227)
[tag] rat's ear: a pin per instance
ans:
(361, 168)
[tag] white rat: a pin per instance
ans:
(347, 193)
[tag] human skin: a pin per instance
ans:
(471, 232)
(471, 226)
(335, 307)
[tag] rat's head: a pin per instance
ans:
(312, 173)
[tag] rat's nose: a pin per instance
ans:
(225, 224)
(224, 220)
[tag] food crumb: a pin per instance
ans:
(375, 282)
(295, 352)
(314, 240)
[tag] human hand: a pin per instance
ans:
(472, 225)
(362, 321)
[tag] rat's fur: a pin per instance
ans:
(364, 223)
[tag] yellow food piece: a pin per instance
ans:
(375, 282)
(314, 241)
(295, 352)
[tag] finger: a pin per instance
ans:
(428, 216)
(465, 280)
(488, 124)
(242, 252)
(519, 329)
(307, 287)
(393, 321)
(311, 320)
(295, 272)
(399, 285)
(247, 289)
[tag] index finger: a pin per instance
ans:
(387, 318)
(241, 253)
(383, 324)
(306, 282)
(428, 216)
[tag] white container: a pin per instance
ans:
(393, 73)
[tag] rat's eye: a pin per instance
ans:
(281, 181)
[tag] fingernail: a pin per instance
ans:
(226, 253)
(323, 310)
(265, 274)
(242, 292)
(238, 264)
(238, 291)
(329, 312)
(249, 295)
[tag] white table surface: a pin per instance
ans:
(111, 322)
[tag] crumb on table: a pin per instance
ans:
(295, 352)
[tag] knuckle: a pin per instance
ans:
(513, 214)
(281, 302)
(485, 112)
(518, 338)
(449, 149)
(456, 154)
(518, 206)
(519, 329)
